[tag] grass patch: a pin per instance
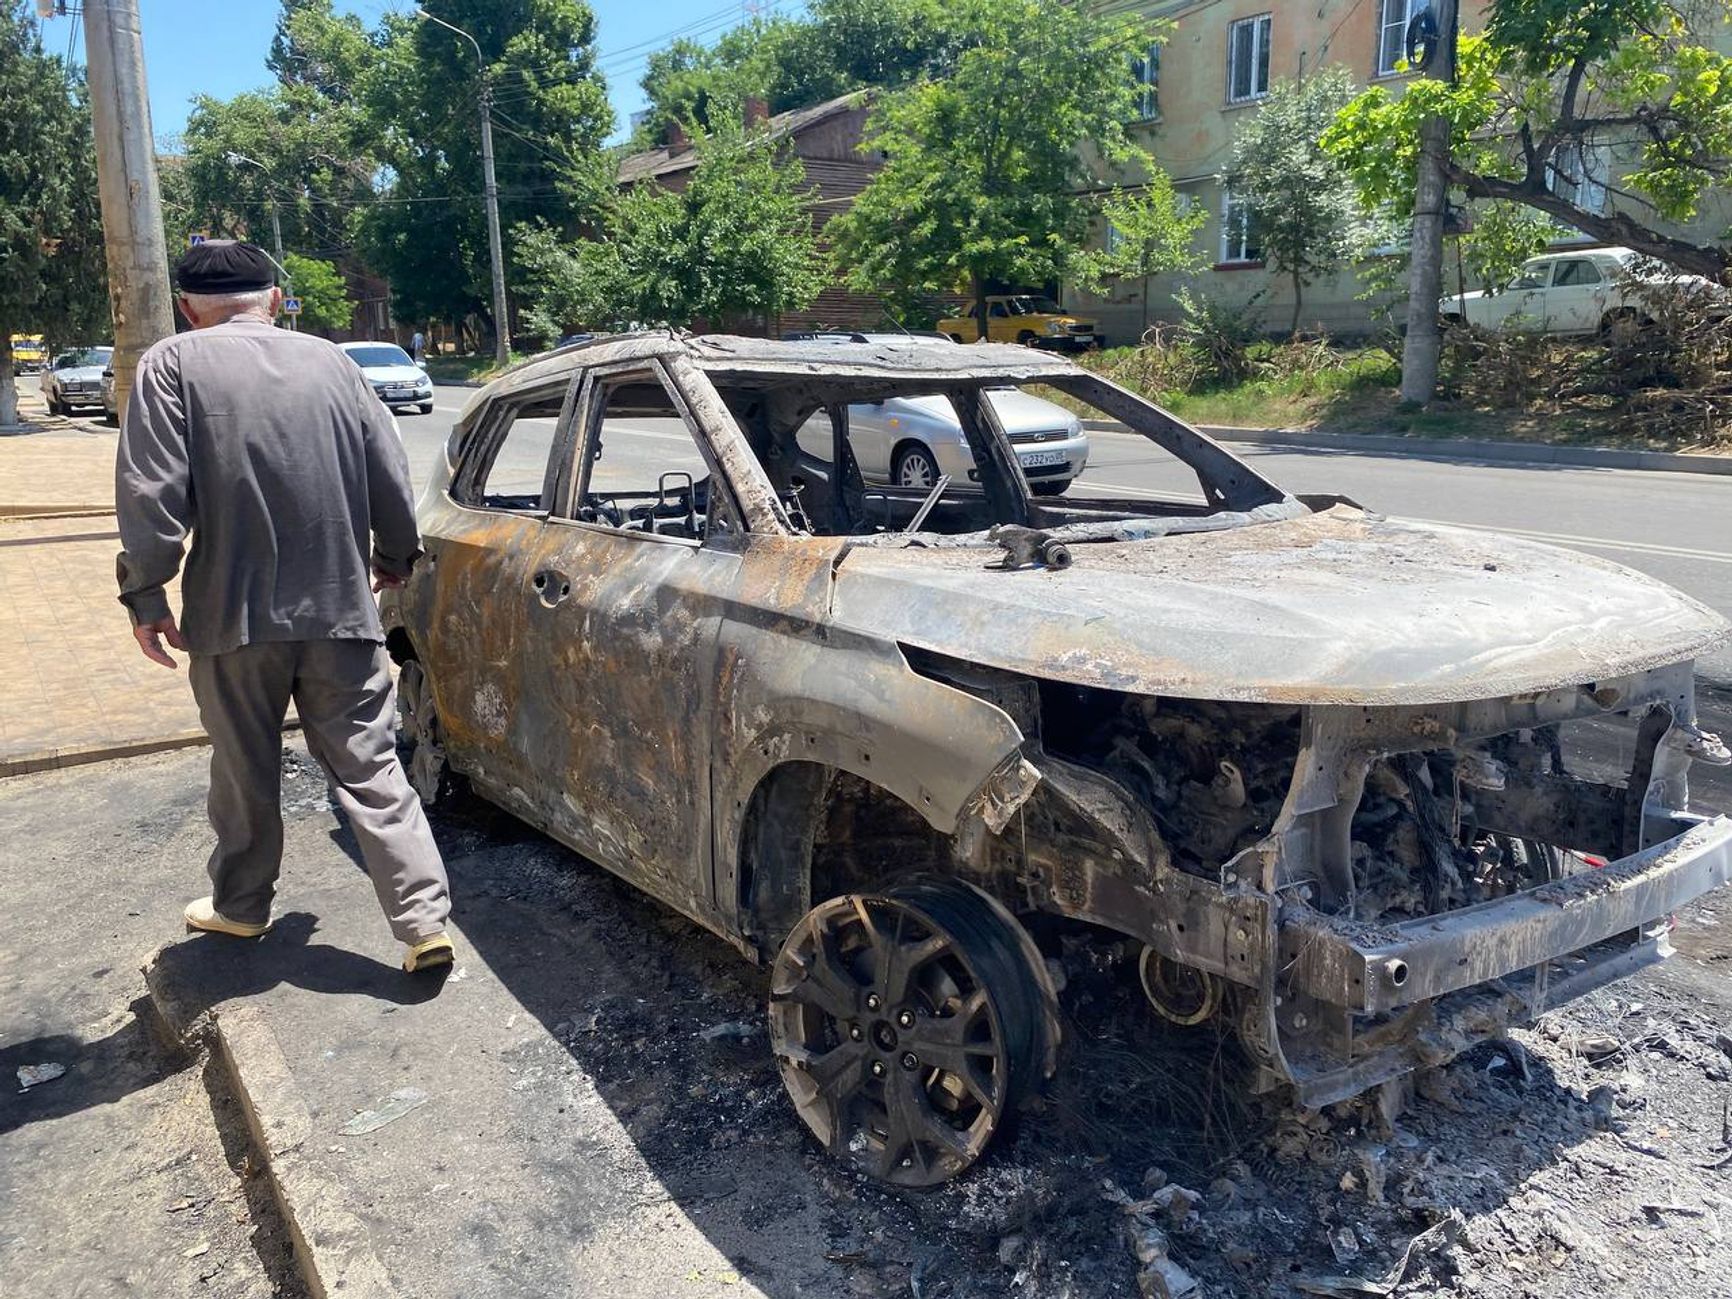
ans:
(478, 367)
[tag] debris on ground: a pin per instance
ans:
(392, 1108)
(34, 1075)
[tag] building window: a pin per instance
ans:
(1146, 73)
(1577, 175)
(1239, 239)
(1248, 59)
(1392, 33)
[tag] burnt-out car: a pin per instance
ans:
(1366, 790)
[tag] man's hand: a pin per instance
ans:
(151, 635)
(382, 579)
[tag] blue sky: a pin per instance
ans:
(218, 47)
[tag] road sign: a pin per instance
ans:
(196, 238)
(291, 306)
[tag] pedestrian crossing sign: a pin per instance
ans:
(196, 238)
(292, 306)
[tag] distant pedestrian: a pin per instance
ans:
(418, 347)
(270, 450)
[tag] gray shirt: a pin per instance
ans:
(271, 450)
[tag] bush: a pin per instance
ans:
(1221, 334)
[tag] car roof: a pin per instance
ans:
(368, 342)
(885, 356)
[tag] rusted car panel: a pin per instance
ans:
(1324, 765)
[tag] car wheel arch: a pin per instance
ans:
(906, 445)
(786, 823)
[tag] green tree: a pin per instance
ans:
(1150, 231)
(982, 166)
(52, 278)
(737, 242)
(837, 46)
(324, 294)
(1305, 208)
(1547, 98)
(427, 231)
(1504, 235)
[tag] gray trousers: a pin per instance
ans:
(342, 690)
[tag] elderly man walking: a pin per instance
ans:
(271, 450)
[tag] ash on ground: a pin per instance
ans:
(1589, 1155)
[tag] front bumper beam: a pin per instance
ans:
(1371, 969)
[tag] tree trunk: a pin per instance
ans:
(8, 388)
(1144, 336)
(1423, 346)
(979, 306)
(1298, 303)
(1708, 260)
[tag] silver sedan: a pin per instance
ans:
(911, 441)
(75, 379)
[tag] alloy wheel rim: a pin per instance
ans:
(890, 1042)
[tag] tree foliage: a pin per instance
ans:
(1150, 231)
(1305, 208)
(324, 294)
(837, 46)
(369, 142)
(1561, 99)
(52, 275)
(737, 241)
(982, 165)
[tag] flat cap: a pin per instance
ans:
(224, 266)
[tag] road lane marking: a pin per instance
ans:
(1556, 538)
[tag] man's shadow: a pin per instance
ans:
(206, 970)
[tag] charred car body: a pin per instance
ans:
(1319, 763)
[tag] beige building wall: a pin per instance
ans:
(1191, 137)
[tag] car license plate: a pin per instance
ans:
(1040, 459)
(399, 393)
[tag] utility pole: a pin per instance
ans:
(138, 289)
(1423, 346)
(490, 191)
(238, 159)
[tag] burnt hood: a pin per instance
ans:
(1341, 606)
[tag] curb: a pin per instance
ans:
(330, 1240)
(1515, 453)
(79, 755)
(24, 764)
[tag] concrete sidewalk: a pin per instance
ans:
(530, 1149)
(79, 690)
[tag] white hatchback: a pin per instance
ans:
(396, 379)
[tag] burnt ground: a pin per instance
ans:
(1594, 1155)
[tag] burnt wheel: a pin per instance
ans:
(427, 771)
(908, 1024)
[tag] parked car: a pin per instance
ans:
(912, 441)
(1317, 765)
(75, 379)
(1031, 319)
(395, 377)
(1576, 293)
(28, 353)
(110, 402)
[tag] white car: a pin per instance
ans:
(912, 441)
(395, 377)
(1570, 293)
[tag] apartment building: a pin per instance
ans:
(1218, 63)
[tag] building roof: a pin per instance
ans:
(665, 162)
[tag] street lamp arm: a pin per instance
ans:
(479, 57)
